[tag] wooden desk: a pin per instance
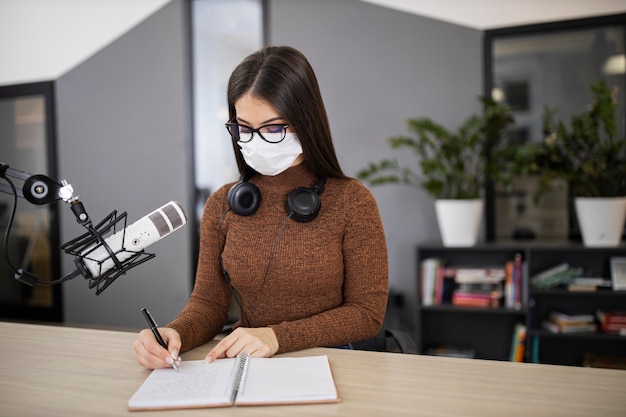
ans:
(62, 371)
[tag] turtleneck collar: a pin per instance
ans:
(295, 176)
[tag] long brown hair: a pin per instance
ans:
(283, 77)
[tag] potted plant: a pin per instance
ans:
(591, 156)
(453, 167)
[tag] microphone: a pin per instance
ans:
(97, 259)
(101, 261)
(108, 256)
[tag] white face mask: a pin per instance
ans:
(270, 158)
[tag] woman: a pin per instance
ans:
(298, 244)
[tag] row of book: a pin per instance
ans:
(568, 277)
(612, 321)
(493, 286)
(559, 322)
(607, 321)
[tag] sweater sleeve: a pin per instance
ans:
(207, 310)
(365, 286)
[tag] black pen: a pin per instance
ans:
(153, 326)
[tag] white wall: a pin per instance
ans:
(40, 40)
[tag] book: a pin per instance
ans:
(594, 281)
(429, 270)
(611, 316)
(588, 284)
(593, 360)
(517, 281)
(612, 321)
(559, 275)
(439, 284)
(518, 344)
(481, 288)
(561, 322)
(451, 352)
(548, 273)
(470, 301)
(479, 275)
(448, 286)
(570, 319)
(515, 296)
(582, 287)
(534, 353)
(508, 285)
(237, 381)
(525, 296)
(557, 328)
(477, 299)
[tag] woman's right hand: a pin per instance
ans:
(151, 354)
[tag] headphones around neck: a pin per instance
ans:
(303, 204)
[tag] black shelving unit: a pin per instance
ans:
(569, 349)
(489, 331)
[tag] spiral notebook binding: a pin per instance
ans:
(241, 367)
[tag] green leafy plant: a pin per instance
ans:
(590, 154)
(451, 165)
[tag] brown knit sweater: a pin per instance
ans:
(321, 283)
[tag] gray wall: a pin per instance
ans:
(377, 67)
(123, 143)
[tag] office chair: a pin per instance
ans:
(388, 340)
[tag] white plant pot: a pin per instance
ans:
(601, 220)
(459, 221)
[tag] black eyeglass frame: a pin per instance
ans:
(230, 125)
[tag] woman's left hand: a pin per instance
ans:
(257, 342)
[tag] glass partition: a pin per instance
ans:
(27, 144)
(223, 33)
(553, 65)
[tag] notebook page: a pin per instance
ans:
(196, 384)
(288, 380)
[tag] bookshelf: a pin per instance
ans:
(488, 331)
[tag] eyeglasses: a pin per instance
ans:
(272, 133)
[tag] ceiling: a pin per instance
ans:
(492, 14)
(43, 39)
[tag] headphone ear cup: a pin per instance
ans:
(303, 204)
(244, 198)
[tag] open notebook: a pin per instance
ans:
(239, 381)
